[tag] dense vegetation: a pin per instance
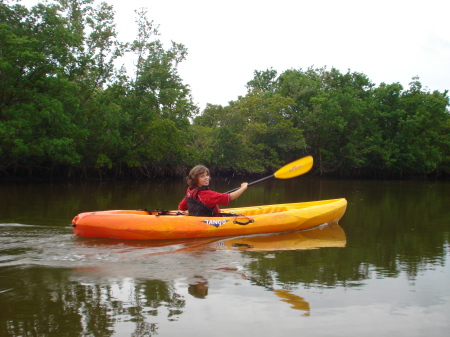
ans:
(68, 109)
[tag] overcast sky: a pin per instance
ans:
(389, 41)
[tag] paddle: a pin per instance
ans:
(291, 170)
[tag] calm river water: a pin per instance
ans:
(383, 271)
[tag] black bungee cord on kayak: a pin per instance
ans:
(203, 211)
(161, 211)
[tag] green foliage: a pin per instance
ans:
(264, 81)
(162, 145)
(199, 145)
(352, 127)
(253, 134)
(64, 105)
(36, 97)
(65, 108)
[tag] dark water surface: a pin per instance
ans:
(383, 271)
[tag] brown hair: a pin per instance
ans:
(194, 173)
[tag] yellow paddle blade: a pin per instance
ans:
(294, 169)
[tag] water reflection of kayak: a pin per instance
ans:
(123, 224)
(196, 260)
(328, 236)
(323, 236)
(296, 302)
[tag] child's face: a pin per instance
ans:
(203, 179)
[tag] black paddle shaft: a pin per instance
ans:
(253, 183)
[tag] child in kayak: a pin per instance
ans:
(198, 194)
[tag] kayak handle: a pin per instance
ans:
(243, 223)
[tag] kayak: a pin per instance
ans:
(165, 225)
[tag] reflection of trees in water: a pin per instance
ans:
(156, 293)
(45, 302)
